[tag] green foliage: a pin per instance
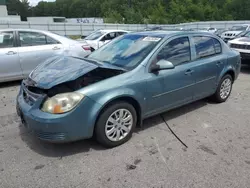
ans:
(137, 11)
(21, 8)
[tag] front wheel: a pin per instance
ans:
(116, 124)
(224, 89)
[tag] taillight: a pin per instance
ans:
(87, 48)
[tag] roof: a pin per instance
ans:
(111, 30)
(51, 34)
(163, 34)
(11, 29)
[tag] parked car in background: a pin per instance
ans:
(219, 32)
(135, 76)
(101, 37)
(239, 35)
(208, 29)
(242, 45)
(234, 31)
(155, 28)
(21, 50)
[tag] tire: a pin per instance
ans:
(103, 125)
(218, 96)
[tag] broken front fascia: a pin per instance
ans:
(67, 74)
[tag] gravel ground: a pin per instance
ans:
(218, 153)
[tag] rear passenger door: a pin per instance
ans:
(209, 62)
(10, 68)
(35, 48)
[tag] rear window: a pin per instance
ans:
(217, 46)
(95, 35)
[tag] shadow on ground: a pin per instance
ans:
(245, 69)
(172, 114)
(57, 150)
(67, 149)
(10, 84)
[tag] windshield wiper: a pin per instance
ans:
(114, 65)
(92, 61)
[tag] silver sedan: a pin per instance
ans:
(21, 50)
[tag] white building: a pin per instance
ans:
(85, 20)
(4, 17)
(3, 10)
(46, 19)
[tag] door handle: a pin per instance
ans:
(188, 72)
(11, 53)
(56, 48)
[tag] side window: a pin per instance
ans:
(50, 40)
(120, 33)
(109, 36)
(6, 39)
(32, 38)
(217, 46)
(204, 47)
(176, 51)
(112, 35)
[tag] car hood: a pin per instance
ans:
(241, 40)
(58, 70)
(234, 33)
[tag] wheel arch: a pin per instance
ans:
(231, 73)
(126, 98)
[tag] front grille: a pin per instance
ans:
(50, 136)
(240, 46)
(29, 96)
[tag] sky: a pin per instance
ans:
(34, 2)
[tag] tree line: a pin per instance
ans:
(137, 11)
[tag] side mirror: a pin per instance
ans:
(162, 65)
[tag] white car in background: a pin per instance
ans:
(242, 45)
(101, 37)
(234, 31)
(22, 50)
(208, 29)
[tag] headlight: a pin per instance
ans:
(62, 103)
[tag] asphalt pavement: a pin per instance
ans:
(217, 155)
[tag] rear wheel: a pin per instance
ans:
(224, 89)
(116, 124)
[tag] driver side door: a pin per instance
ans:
(171, 87)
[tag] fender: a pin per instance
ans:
(122, 92)
(225, 70)
(119, 93)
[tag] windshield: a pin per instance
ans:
(247, 34)
(94, 35)
(239, 28)
(127, 52)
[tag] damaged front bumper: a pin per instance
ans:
(75, 125)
